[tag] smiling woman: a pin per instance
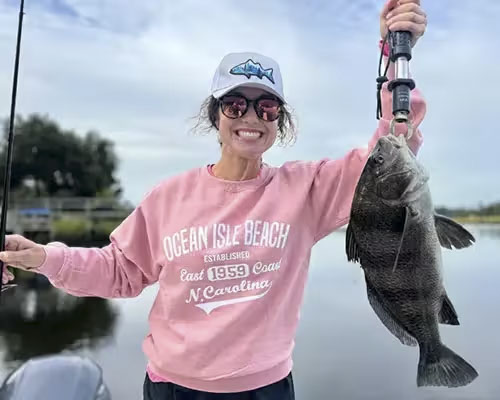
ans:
(249, 114)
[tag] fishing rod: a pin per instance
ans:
(400, 54)
(10, 144)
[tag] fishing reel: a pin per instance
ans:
(400, 54)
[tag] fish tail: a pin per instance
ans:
(268, 73)
(443, 367)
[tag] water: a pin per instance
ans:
(342, 350)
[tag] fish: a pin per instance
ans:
(251, 68)
(397, 237)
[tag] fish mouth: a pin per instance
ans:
(396, 141)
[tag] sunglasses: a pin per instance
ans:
(235, 106)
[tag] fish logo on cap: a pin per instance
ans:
(251, 68)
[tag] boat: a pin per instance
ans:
(56, 377)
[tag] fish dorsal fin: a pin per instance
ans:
(407, 211)
(452, 234)
(351, 247)
(387, 317)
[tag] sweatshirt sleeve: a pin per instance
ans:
(335, 180)
(121, 269)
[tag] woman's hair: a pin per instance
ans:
(207, 117)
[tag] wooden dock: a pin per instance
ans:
(37, 216)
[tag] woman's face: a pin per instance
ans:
(248, 136)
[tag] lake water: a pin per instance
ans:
(342, 350)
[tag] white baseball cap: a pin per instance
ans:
(247, 69)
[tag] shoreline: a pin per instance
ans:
(478, 219)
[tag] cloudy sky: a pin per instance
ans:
(138, 71)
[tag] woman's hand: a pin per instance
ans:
(403, 15)
(21, 253)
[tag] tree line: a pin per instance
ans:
(48, 160)
(482, 210)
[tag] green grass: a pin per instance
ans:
(103, 228)
(478, 219)
(70, 229)
(75, 230)
(70, 226)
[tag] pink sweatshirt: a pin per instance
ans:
(231, 260)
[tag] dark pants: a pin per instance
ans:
(281, 390)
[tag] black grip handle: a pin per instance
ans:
(401, 100)
(401, 45)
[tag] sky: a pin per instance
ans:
(137, 72)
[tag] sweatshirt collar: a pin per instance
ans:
(238, 186)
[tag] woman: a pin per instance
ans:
(230, 259)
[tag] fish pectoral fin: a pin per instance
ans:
(351, 246)
(387, 317)
(452, 234)
(447, 314)
(408, 211)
